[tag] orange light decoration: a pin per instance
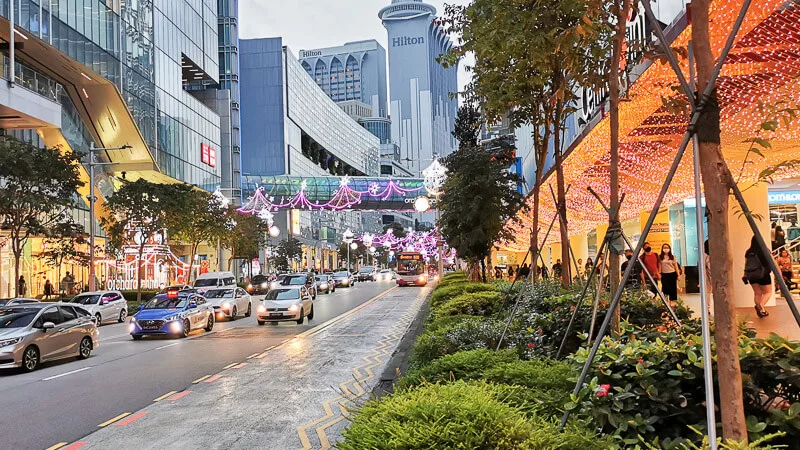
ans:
(762, 68)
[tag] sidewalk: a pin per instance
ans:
(288, 397)
(780, 320)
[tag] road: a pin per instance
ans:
(67, 400)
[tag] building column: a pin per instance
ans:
(740, 236)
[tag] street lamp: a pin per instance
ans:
(422, 204)
(434, 178)
(347, 237)
(92, 199)
(372, 251)
(274, 231)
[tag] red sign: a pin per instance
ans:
(208, 155)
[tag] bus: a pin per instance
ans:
(411, 269)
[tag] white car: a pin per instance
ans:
(16, 301)
(230, 303)
(386, 275)
(105, 306)
(286, 303)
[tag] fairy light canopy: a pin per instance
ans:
(763, 68)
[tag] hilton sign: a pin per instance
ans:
(405, 40)
(310, 54)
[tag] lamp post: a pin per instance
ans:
(347, 237)
(92, 199)
(434, 178)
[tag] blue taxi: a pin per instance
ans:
(175, 313)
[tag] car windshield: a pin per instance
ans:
(341, 274)
(323, 278)
(208, 282)
(220, 293)
(365, 270)
(294, 281)
(165, 302)
(88, 299)
(283, 294)
(16, 318)
(4, 301)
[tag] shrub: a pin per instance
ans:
(474, 304)
(445, 293)
(456, 415)
(466, 365)
(547, 383)
(130, 296)
(468, 333)
(453, 278)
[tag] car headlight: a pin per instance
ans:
(264, 285)
(294, 308)
(175, 317)
(421, 278)
(226, 305)
(7, 342)
(133, 319)
(324, 285)
(249, 287)
(261, 309)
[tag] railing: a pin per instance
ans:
(791, 246)
(31, 80)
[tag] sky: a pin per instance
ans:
(309, 24)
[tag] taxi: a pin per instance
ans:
(175, 313)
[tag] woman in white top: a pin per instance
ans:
(670, 271)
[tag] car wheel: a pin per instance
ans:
(98, 319)
(137, 337)
(249, 310)
(300, 320)
(187, 328)
(85, 349)
(311, 313)
(30, 359)
(123, 315)
(234, 313)
(261, 322)
(210, 324)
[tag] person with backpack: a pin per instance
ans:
(757, 274)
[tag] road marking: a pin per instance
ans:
(229, 366)
(75, 446)
(239, 366)
(130, 419)
(214, 378)
(110, 421)
(252, 356)
(66, 373)
(165, 346)
(115, 337)
(179, 396)
(201, 379)
(164, 396)
(57, 446)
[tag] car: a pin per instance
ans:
(366, 274)
(286, 303)
(386, 275)
(212, 280)
(105, 306)
(172, 314)
(34, 333)
(260, 284)
(343, 279)
(325, 283)
(230, 302)
(177, 287)
(16, 301)
(299, 279)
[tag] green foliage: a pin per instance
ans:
(456, 415)
(64, 244)
(461, 333)
(200, 219)
(445, 293)
(452, 278)
(464, 365)
(473, 304)
(288, 250)
(246, 236)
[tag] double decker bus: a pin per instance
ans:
(411, 269)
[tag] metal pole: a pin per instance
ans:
(600, 289)
(11, 56)
(92, 199)
(708, 368)
(439, 244)
(571, 252)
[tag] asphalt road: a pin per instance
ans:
(69, 399)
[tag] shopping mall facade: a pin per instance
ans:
(762, 69)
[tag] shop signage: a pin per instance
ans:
(208, 155)
(784, 198)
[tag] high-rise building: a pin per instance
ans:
(421, 107)
(229, 81)
(352, 73)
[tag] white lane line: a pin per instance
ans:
(66, 373)
(165, 346)
(115, 337)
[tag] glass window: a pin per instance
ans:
(68, 313)
(51, 315)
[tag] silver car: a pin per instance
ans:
(16, 301)
(34, 333)
(230, 303)
(105, 306)
(286, 303)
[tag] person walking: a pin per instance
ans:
(671, 270)
(498, 273)
(589, 267)
(780, 238)
(510, 272)
(784, 262)
(650, 262)
(635, 280)
(557, 269)
(22, 287)
(48, 289)
(758, 276)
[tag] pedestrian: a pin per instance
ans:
(589, 267)
(635, 280)
(580, 268)
(557, 269)
(784, 262)
(510, 272)
(543, 270)
(22, 287)
(650, 263)
(757, 275)
(498, 273)
(780, 238)
(671, 270)
(48, 289)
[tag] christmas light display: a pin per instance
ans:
(763, 68)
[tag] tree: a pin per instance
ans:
(397, 230)
(354, 254)
(37, 189)
(288, 251)
(717, 182)
(479, 197)
(138, 212)
(200, 220)
(245, 236)
(63, 245)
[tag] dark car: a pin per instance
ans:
(343, 279)
(366, 274)
(259, 284)
(300, 279)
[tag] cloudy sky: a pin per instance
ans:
(308, 24)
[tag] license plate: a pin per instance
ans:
(275, 315)
(151, 328)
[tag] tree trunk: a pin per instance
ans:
(622, 8)
(16, 249)
(191, 276)
(483, 269)
(139, 270)
(535, 227)
(716, 182)
(563, 226)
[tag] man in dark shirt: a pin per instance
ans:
(635, 280)
(557, 269)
